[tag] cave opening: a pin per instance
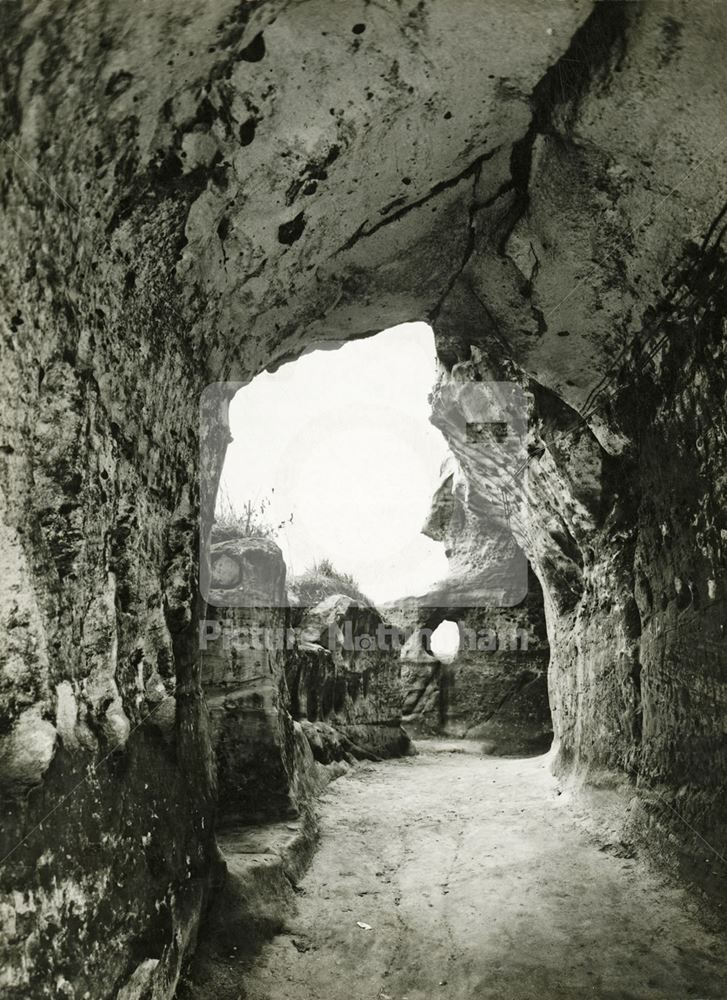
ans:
(344, 523)
(342, 464)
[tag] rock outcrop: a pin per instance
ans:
(189, 197)
(345, 673)
(286, 686)
(494, 688)
(244, 655)
(599, 276)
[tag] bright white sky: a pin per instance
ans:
(343, 437)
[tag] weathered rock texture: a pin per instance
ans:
(243, 677)
(615, 255)
(345, 673)
(495, 687)
(286, 685)
(195, 193)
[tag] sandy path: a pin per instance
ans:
(477, 884)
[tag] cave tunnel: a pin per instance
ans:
(209, 789)
(392, 559)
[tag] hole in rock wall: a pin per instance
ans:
(329, 479)
(444, 643)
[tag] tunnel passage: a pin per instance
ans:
(318, 522)
(201, 215)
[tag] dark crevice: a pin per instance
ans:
(555, 99)
(526, 678)
(469, 246)
(558, 93)
(470, 170)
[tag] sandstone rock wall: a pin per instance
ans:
(106, 779)
(346, 674)
(279, 681)
(494, 688)
(497, 693)
(598, 282)
(243, 678)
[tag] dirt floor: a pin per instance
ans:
(453, 875)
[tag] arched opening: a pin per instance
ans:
(342, 464)
(445, 640)
(354, 531)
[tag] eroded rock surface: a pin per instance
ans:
(346, 674)
(494, 686)
(285, 686)
(243, 676)
(607, 291)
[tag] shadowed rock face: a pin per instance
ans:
(243, 676)
(345, 673)
(494, 687)
(266, 666)
(193, 194)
